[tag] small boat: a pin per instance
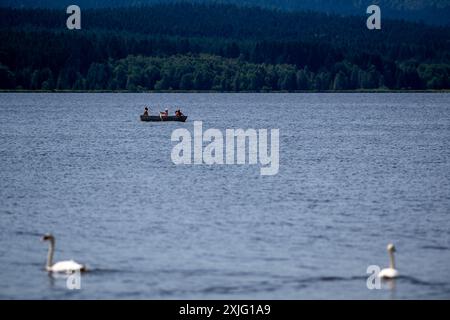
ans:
(163, 118)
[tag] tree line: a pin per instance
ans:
(181, 43)
(206, 72)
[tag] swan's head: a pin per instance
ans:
(391, 248)
(48, 237)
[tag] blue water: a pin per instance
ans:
(357, 171)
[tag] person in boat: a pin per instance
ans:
(164, 113)
(178, 113)
(146, 113)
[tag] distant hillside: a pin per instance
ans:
(189, 46)
(429, 11)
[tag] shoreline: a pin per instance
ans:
(214, 91)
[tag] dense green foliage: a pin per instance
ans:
(217, 47)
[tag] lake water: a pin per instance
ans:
(357, 171)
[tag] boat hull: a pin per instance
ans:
(162, 118)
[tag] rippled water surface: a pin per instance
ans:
(357, 171)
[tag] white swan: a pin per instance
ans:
(391, 272)
(69, 266)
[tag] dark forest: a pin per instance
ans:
(217, 47)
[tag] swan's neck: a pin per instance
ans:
(51, 249)
(392, 260)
